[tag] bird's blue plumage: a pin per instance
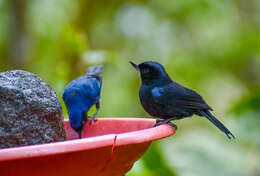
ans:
(79, 96)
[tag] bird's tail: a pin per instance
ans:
(217, 123)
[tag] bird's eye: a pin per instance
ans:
(146, 70)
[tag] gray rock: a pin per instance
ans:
(30, 112)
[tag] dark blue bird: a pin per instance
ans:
(167, 100)
(81, 94)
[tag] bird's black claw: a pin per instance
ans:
(173, 125)
(157, 124)
(161, 121)
(92, 119)
(83, 122)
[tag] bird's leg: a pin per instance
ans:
(165, 121)
(158, 120)
(173, 125)
(84, 117)
(93, 118)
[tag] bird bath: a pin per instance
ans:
(109, 147)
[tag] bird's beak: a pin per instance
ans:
(79, 133)
(135, 65)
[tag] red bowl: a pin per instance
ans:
(109, 148)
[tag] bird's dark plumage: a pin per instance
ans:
(81, 94)
(165, 99)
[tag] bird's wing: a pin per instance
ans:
(174, 94)
(90, 88)
(82, 91)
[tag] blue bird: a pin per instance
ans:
(167, 100)
(81, 94)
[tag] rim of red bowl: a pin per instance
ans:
(133, 137)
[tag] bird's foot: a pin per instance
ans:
(92, 119)
(163, 121)
(173, 125)
(83, 122)
(158, 122)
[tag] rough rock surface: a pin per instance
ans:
(30, 112)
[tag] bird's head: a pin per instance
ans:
(75, 116)
(94, 70)
(77, 126)
(151, 72)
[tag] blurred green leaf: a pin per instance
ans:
(248, 103)
(155, 163)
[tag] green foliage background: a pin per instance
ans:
(211, 46)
